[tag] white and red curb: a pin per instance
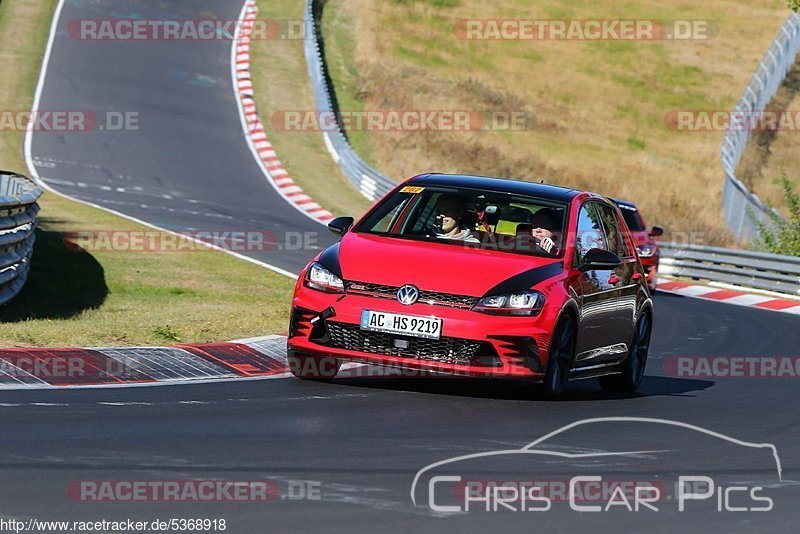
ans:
(254, 128)
(731, 296)
(245, 359)
(26, 368)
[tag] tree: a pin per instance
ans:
(782, 236)
(794, 5)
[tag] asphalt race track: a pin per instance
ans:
(362, 440)
(187, 166)
(356, 444)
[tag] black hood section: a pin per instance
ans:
(527, 279)
(330, 260)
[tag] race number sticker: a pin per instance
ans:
(412, 189)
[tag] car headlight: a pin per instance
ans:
(321, 279)
(646, 251)
(521, 303)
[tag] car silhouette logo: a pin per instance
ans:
(408, 294)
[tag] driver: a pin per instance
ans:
(449, 211)
(544, 223)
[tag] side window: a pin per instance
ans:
(627, 240)
(386, 220)
(590, 232)
(426, 215)
(617, 241)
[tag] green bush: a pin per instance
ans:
(782, 236)
(794, 5)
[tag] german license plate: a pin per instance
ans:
(396, 323)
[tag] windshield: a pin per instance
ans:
(632, 219)
(472, 218)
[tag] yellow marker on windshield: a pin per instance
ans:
(412, 189)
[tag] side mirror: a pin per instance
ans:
(598, 259)
(340, 225)
(657, 231)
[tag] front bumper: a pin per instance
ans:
(472, 343)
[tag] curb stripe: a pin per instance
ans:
(722, 294)
(240, 358)
(777, 304)
(672, 286)
(137, 366)
(730, 296)
(269, 161)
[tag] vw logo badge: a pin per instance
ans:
(408, 294)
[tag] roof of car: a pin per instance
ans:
(503, 185)
(625, 203)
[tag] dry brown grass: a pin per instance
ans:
(769, 154)
(600, 106)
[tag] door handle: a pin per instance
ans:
(613, 279)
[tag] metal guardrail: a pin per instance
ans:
(745, 268)
(18, 219)
(371, 183)
(771, 70)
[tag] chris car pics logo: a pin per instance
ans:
(445, 486)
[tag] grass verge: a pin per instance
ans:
(116, 298)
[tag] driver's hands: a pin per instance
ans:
(542, 233)
(438, 224)
(547, 244)
(545, 239)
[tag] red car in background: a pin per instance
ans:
(646, 246)
(482, 277)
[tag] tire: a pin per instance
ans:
(308, 367)
(559, 358)
(633, 367)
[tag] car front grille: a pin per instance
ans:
(435, 298)
(445, 350)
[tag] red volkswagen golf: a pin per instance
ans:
(646, 246)
(478, 276)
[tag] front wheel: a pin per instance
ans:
(308, 367)
(633, 367)
(559, 359)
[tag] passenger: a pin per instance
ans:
(545, 223)
(449, 213)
